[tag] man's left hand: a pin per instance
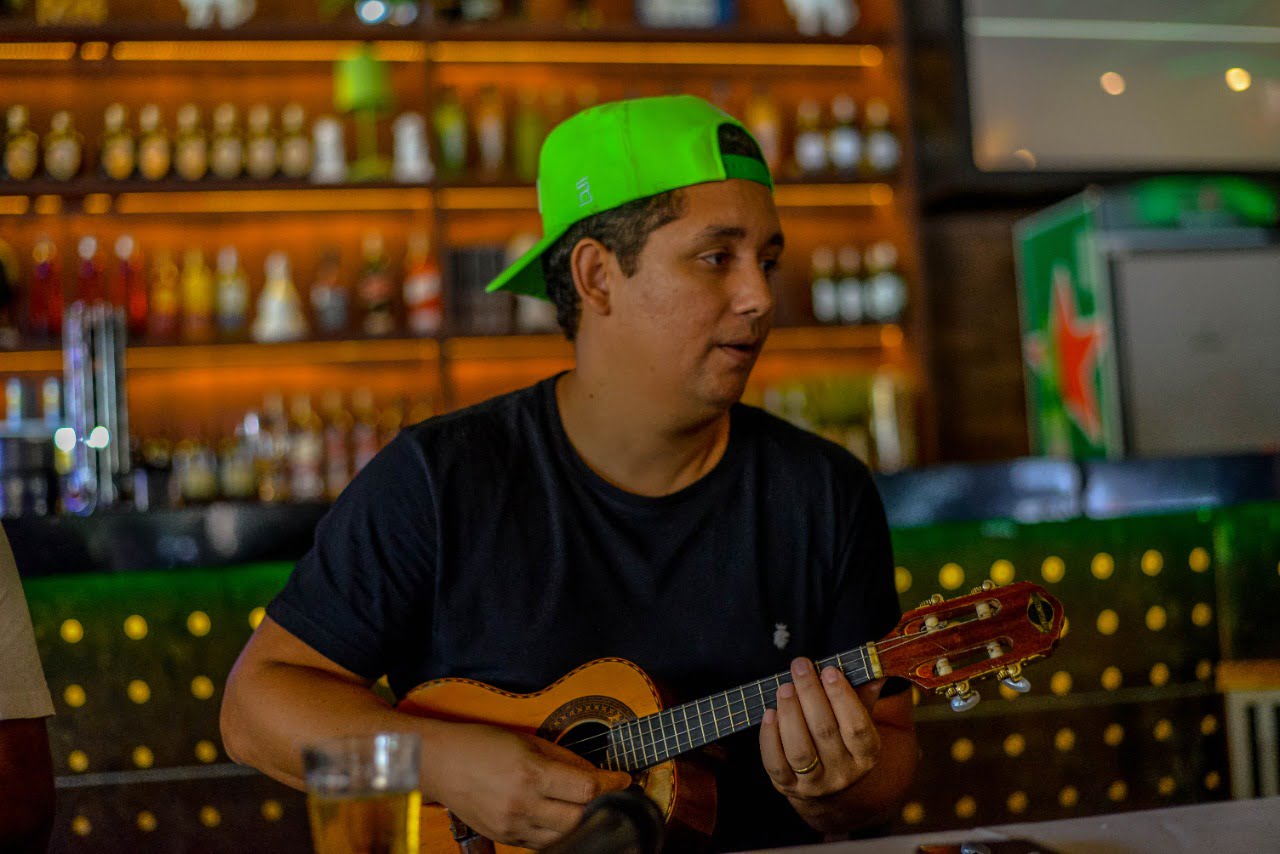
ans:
(821, 740)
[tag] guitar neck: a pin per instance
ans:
(644, 742)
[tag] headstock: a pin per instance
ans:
(945, 644)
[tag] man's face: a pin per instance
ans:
(693, 318)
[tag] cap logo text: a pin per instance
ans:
(584, 192)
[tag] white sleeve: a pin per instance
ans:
(23, 690)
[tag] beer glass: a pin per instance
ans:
(362, 794)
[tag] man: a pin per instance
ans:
(26, 769)
(630, 507)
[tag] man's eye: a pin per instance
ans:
(769, 265)
(717, 259)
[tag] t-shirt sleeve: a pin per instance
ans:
(865, 605)
(372, 566)
(23, 690)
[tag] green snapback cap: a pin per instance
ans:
(619, 152)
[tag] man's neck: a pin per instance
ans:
(625, 440)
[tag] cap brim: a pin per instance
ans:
(524, 276)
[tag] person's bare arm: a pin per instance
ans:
(26, 786)
(514, 789)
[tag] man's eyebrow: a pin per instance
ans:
(735, 232)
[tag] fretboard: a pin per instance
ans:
(642, 743)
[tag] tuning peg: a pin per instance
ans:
(966, 701)
(986, 585)
(1021, 685)
(935, 599)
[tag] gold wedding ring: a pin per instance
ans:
(817, 760)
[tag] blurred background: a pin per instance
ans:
(1032, 278)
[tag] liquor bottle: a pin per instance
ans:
(330, 164)
(272, 456)
(295, 147)
(226, 155)
(155, 156)
(163, 320)
(364, 432)
(411, 163)
(330, 298)
(811, 144)
(191, 150)
(21, 146)
(529, 131)
(844, 142)
(306, 452)
(280, 315)
(119, 154)
(886, 291)
(337, 444)
(63, 148)
(822, 286)
(237, 479)
(450, 122)
(423, 299)
(262, 150)
(197, 298)
(130, 285)
(765, 124)
(89, 279)
(848, 285)
(46, 301)
(232, 294)
(375, 289)
(884, 152)
(491, 133)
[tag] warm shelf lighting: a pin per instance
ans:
(14, 205)
(183, 356)
(261, 51)
(1238, 79)
(276, 201)
(97, 203)
(48, 204)
(833, 195)
(28, 51)
(94, 51)
(657, 53)
(486, 198)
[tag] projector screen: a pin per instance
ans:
(1099, 85)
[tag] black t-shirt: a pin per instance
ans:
(479, 544)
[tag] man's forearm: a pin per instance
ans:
(875, 796)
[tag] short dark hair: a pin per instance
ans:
(624, 230)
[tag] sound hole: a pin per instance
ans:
(589, 739)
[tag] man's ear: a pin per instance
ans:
(593, 267)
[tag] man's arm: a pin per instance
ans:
(282, 694)
(26, 786)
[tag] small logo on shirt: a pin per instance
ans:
(781, 637)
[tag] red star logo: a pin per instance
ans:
(1076, 342)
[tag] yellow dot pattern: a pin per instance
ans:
(1152, 563)
(78, 761)
(1060, 684)
(1014, 745)
(1156, 619)
(72, 632)
(1068, 797)
(1199, 559)
(1017, 803)
(147, 821)
(74, 696)
(1103, 566)
(81, 826)
(1204, 670)
(1064, 740)
(199, 624)
(1212, 780)
(1108, 622)
(1160, 674)
(966, 807)
(1008, 693)
(1202, 614)
(1053, 569)
(273, 811)
(256, 615)
(1163, 730)
(135, 627)
(1113, 735)
(1166, 786)
(901, 580)
(1208, 725)
(1117, 791)
(951, 576)
(206, 751)
(1002, 572)
(210, 817)
(138, 691)
(143, 757)
(1112, 678)
(202, 687)
(962, 750)
(913, 813)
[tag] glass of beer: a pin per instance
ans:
(362, 794)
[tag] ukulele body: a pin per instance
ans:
(588, 701)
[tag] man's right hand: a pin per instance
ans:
(513, 788)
